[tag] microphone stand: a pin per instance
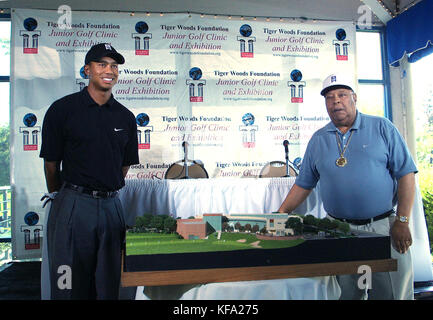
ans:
(185, 159)
(286, 150)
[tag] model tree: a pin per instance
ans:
(255, 228)
(295, 224)
(344, 227)
(311, 220)
(170, 224)
(143, 222)
(325, 224)
(157, 222)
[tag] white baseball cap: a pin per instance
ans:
(336, 81)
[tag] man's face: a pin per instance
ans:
(102, 74)
(341, 107)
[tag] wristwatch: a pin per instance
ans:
(403, 219)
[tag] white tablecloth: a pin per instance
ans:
(189, 197)
(318, 288)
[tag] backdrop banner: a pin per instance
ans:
(233, 89)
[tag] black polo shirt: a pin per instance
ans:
(93, 142)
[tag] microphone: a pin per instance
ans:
(286, 150)
(185, 159)
(184, 145)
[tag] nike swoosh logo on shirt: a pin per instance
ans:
(115, 129)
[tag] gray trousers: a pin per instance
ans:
(85, 239)
(396, 285)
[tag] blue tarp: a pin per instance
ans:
(411, 32)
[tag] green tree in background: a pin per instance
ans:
(424, 150)
(4, 156)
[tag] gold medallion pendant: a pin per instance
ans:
(341, 162)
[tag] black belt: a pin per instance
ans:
(360, 222)
(93, 193)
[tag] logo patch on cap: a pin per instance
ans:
(108, 47)
(333, 79)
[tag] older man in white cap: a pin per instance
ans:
(367, 178)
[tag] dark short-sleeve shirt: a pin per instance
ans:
(92, 142)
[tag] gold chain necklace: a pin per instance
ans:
(342, 161)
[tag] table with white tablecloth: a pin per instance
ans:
(191, 197)
(194, 197)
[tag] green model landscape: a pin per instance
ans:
(156, 235)
(160, 243)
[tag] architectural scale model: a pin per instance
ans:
(160, 242)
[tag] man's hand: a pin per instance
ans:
(401, 236)
(47, 197)
(400, 233)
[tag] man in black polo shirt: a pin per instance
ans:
(93, 138)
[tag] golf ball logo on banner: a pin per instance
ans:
(30, 36)
(296, 86)
(83, 82)
(32, 231)
(30, 132)
(143, 130)
(248, 130)
(141, 38)
(341, 45)
(195, 85)
(246, 41)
